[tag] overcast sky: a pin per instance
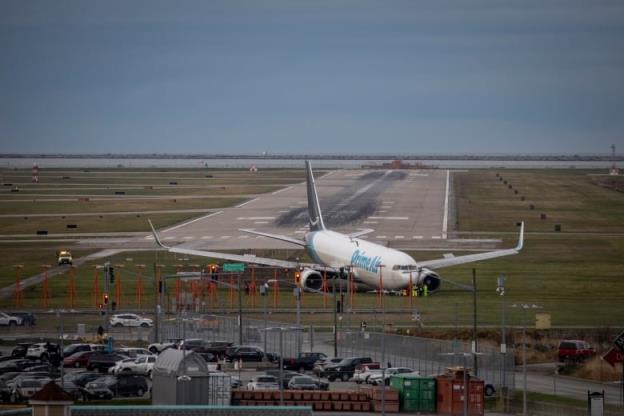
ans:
(335, 76)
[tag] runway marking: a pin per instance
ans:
(206, 237)
(371, 222)
(243, 236)
(168, 238)
(149, 237)
(382, 211)
(260, 237)
(245, 203)
(188, 237)
(255, 218)
(388, 218)
(446, 204)
(381, 237)
(261, 222)
(300, 232)
(281, 190)
(284, 210)
(435, 237)
(225, 237)
(175, 227)
(417, 237)
(399, 237)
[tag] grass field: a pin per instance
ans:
(576, 275)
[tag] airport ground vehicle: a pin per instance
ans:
(363, 371)
(344, 369)
(9, 320)
(263, 382)
(575, 350)
(305, 361)
(64, 257)
(130, 319)
(245, 353)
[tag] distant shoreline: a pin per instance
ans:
(243, 156)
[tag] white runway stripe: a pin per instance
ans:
(245, 203)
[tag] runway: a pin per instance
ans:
(399, 205)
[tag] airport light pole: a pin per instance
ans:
(524, 307)
(281, 329)
(503, 347)
(335, 318)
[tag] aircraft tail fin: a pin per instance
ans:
(314, 208)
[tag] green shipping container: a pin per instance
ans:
(415, 393)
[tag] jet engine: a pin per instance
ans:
(311, 279)
(429, 278)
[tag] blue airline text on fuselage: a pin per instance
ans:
(360, 260)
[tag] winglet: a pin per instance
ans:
(521, 238)
(156, 238)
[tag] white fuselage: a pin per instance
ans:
(337, 250)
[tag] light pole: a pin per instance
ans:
(383, 342)
(524, 307)
(59, 315)
(264, 292)
(281, 357)
(503, 347)
(335, 318)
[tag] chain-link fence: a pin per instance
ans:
(428, 356)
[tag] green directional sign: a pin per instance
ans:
(234, 267)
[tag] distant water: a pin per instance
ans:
(21, 163)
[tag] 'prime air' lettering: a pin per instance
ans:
(360, 260)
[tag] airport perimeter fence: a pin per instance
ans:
(428, 356)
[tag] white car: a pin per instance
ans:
(140, 365)
(130, 319)
(363, 371)
(263, 383)
(40, 350)
(9, 320)
(376, 378)
(122, 365)
(135, 352)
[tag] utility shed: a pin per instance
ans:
(185, 380)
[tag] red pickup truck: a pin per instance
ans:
(575, 350)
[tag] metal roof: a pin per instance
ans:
(172, 361)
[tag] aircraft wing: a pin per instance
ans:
(361, 233)
(243, 258)
(275, 237)
(454, 261)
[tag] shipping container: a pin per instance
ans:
(415, 393)
(450, 395)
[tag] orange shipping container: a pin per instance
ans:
(451, 396)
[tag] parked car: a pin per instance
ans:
(130, 319)
(97, 390)
(141, 365)
(380, 377)
(9, 320)
(74, 348)
(344, 369)
(245, 353)
(363, 371)
(305, 361)
(575, 350)
(264, 382)
(102, 360)
(218, 348)
(122, 385)
(19, 351)
(302, 383)
(286, 375)
(135, 352)
(28, 318)
(26, 387)
(81, 378)
(72, 389)
(158, 347)
(319, 366)
(45, 351)
(122, 365)
(78, 359)
(5, 392)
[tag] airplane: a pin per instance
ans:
(372, 265)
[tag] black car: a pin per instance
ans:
(124, 384)
(97, 390)
(244, 353)
(28, 318)
(74, 348)
(14, 365)
(218, 348)
(81, 378)
(345, 368)
(20, 349)
(102, 360)
(5, 392)
(286, 376)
